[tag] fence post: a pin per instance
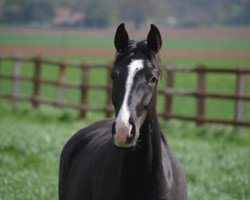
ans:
(240, 91)
(36, 82)
(200, 94)
(16, 82)
(0, 71)
(84, 90)
(109, 107)
(60, 89)
(169, 86)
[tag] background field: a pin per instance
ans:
(106, 41)
(215, 158)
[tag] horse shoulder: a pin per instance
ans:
(76, 144)
(173, 174)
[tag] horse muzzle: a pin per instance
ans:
(124, 134)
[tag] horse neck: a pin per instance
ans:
(151, 137)
(144, 165)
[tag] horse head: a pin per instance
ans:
(135, 75)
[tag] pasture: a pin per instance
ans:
(215, 158)
(106, 41)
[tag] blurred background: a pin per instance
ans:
(38, 40)
(106, 13)
(211, 29)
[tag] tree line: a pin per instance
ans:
(104, 13)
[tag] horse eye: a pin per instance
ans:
(153, 80)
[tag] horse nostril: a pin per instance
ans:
(113, 128)
(130, 121)
(132, 133)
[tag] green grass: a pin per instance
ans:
(56, 40)
(215, 158)
(106, 41)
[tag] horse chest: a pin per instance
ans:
(167, 168)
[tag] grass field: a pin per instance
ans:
(215, 158)
(105, 41)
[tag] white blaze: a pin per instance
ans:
(123, 127)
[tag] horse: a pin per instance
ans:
(126, 158)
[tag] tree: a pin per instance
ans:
(141, 11)
(242, 17)
(13, 11)
(39, 11)
(98, 13)
(25, 11)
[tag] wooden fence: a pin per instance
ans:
(201, 95)
(60, 84)
(240, 96)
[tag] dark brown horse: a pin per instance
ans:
(126, 158)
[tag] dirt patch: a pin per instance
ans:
(205, 32)
(58, 51)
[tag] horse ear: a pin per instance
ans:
(154, 40)
(121, 38)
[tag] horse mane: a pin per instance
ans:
(139, 47)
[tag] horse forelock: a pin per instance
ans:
(139, 47)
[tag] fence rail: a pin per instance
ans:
(200, 94)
